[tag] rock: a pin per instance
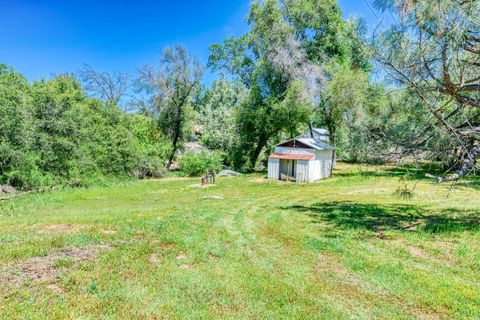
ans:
(228, 173)
(7, 189)
(195, 147)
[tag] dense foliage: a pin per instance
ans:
(196, 164)
(433, 51)
(301, 64)
(52, 133)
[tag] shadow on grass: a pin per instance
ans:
(410, 172)
(378, 218)
(473, 183)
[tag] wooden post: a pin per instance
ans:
(288, 170)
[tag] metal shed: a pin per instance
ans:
(303, 159)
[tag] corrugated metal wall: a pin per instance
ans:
(303, 172)
(314, 170)
(273, 169)
(324, 159)
(307, 171)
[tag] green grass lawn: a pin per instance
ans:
(343, 248)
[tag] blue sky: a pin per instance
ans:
(40, 38)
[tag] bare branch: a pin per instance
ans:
(109, 87)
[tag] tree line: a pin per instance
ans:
(410, 89)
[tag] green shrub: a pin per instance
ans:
(148, 167)
(51, 133)
(195, 164)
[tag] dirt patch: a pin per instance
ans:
(109, 231)
(154, 259)
(48, 268)
(63, 228)
(417, 252)
(182, 256)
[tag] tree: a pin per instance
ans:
(16, 129)
(275, 103)
(109, 87)
(434, 51)
(294, 46)
(218, 108)
(171, 88)
(325, 35)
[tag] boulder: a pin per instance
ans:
(228, 173)
(7, 189)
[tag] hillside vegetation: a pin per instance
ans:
(341, 248)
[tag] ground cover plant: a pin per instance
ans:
(342, 248)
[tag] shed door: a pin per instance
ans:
(288, 167)
(284, 166)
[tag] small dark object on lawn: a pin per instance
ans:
(404, 193)
(209, 177)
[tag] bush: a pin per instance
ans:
(149, 168)
(51, 133)
(194, 165)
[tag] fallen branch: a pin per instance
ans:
(469, 164)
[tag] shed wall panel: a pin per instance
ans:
(315, 169)
(324, 157)
(274, 169)
(303, 172)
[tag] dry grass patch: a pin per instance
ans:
(182, 256)
(109, 231)
(154, 259)
(202, 186)
(48, 268)
(61, 228)
(419, 252)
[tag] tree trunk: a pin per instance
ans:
(256, 153)
(172, 154)
(332, 132)
(176, 138)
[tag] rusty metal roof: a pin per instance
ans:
(292, 156)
